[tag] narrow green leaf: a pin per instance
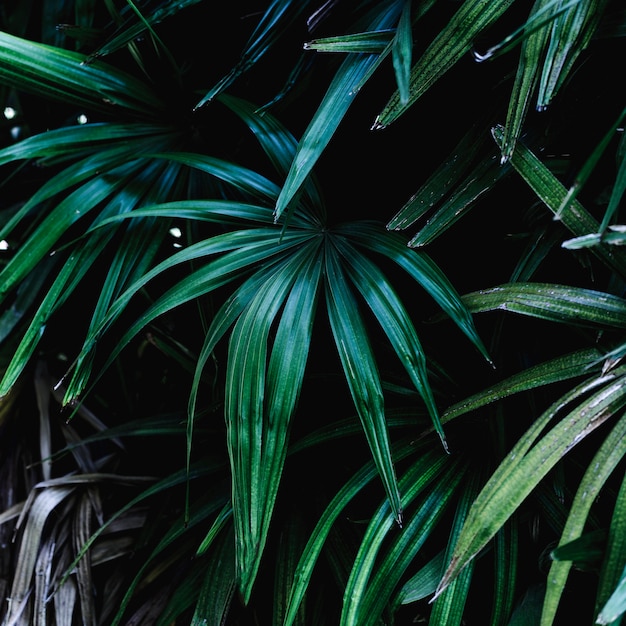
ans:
(589, 166)
(401, 52)
(139, 244)
(292, 540)
(452, 42)
(528, 71)
(359, 366)
(280, 147)
(216, 211)
(241, 178)
(89, 170)
(394, 320)
(424, 582)
(526, 465)
(482, 180)
(615, 551)
(62, 75)
(610, 453)
(243, 250)
(279, 16)
(447, 176)
(211, 507)
(372, 581)
(553, 194)
(448, 608)
(556, 303)
(72, 272)
(585, 551)
(506, 570)
(218, 586)
(615, 606)
(528, 610)
(72, 208)
(338, 99)
(260, 400)
(131, 27)
(575, 364)
(342, 498)
(421, 268)
(66, 141)
(570, 34)
(369, 42)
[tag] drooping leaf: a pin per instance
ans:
(395, 321)
(570, 34)
(372, 581)
(566, 367)
(319, 534)
(532, 57)
(261, 396)
(361, 373)
(242, 250)
(449, 607)
(402, 51)
(219, 584)
(422, 269)
(447, 176)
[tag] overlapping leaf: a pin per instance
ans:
(62, 75)
(595, 401)
(451, 43)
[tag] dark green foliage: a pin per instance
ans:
(324, 308)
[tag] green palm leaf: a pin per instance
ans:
(360, 371)
(555, 196)
(59, 144)
(570, 34)
(279, 16)
(340, 500)
(338, 99)
(243, 249)
(421, 268)
(479, 182)
(451, 44)
(449, 175)
(280, 147)
(612, 567)
(615, 606)
(608, 456)
(394, 319)
(448, 608)
(63, 76)
(72, 208)
(557, 303)
(529, 68)
(566, 367)
(372, 582)
(531, 459)
(261, 397)
(130, 27)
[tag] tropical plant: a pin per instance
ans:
(202, 278)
